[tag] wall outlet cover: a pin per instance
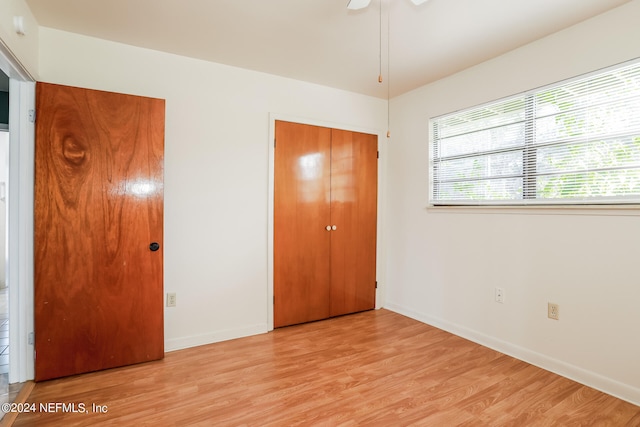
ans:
(171, 299)
(553, 311)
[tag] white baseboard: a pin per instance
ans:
(606, 385)
(213, 337)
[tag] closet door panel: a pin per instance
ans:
(301, 214)
(354, 191)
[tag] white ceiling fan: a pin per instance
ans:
(361, 4)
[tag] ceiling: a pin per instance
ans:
(321, 41)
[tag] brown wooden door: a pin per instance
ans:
(323, 178)
(302, 186)
(354, 198)
(98, 206)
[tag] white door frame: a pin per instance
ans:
(380, 255)
(20, 216)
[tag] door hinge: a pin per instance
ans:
(274, 299)
(32, 116)
(274, 143)
(376, 284)
(378, 155)
(31, 338)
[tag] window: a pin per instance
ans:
(577, 142)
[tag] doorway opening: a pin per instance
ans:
(7, 391)
(17, 101)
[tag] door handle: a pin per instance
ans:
(334, 228)
(154, 246)
(328, 228)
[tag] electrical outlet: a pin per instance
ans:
(171, 299)
(553, 311)
(500, 295)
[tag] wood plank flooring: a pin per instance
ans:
(376, 368)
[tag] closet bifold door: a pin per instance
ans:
(325, 217)
(354, 189)
(302, 180)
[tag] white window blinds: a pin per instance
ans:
(573, 142)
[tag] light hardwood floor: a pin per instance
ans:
(376, 368)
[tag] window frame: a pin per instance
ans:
(528, 199)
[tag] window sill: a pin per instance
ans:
(598, 210)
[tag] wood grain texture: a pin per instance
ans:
(25, 391)
(302, 181)
(375, 368)
(354, 202)
(323, 178)
(98, 205)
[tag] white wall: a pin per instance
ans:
(216, 169)
(443, 264)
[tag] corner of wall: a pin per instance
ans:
(24, 49)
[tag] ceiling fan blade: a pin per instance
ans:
(357, 4)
